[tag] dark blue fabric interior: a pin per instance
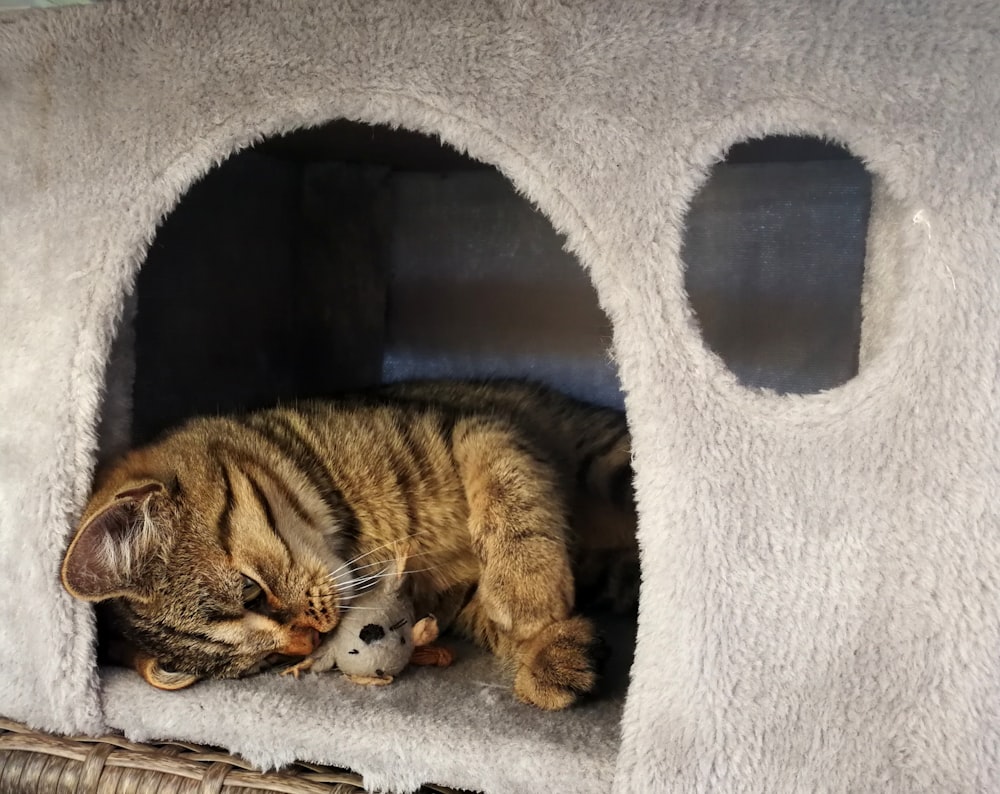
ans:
(301, 270)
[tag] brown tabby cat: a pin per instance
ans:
(232, 541)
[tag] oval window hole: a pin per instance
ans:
(774, 250)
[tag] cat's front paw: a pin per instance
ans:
(319, 661)
(558, 665)
(297, 669)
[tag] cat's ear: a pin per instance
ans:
(157, 676)
(113, 544)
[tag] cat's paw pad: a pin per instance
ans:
(558, 665)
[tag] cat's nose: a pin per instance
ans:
(302, 641)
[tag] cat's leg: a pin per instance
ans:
(522, 608)
(552, 669)
(605, 555)
(603, 516)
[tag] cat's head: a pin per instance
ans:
(212, 554)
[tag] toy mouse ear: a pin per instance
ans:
(390, 580)
(402, 557)
(393, 582)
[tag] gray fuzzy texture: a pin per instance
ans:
(820, 590)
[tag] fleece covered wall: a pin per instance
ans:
(820, 606)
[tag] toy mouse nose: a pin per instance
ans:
(371, 633)
(380, 673)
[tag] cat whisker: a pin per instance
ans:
(357, 588)
(346, 592)
(371, 580)
(377, 566)
(404, 572)
(392, 574)
(381, 564)
(422, 570)
(357, 585)
(378, 548)
(375, 577)
(370, 577)
(361, 581)
(342, 597)
(352, 594)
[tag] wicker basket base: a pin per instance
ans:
(38, 763)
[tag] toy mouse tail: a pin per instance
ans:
(432, 656)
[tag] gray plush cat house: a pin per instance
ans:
(819, 606)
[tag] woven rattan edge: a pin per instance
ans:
(85, 764)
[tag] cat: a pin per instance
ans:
(234, 542)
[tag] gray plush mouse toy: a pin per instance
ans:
(378, 636)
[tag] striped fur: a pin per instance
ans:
(500, 490)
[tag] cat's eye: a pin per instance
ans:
(253, 594)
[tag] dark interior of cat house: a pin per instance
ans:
(344, 256)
